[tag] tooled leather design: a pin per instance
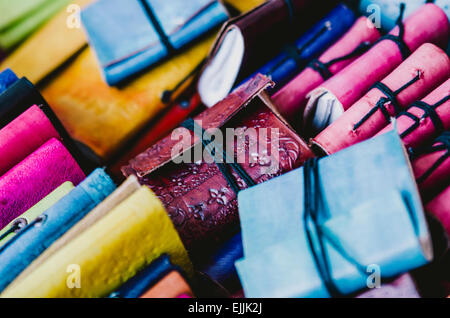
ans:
(197, 197)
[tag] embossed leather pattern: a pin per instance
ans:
(197, 197)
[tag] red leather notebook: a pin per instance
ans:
(197, 196)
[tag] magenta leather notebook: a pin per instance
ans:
(24, 135)
(35, 177)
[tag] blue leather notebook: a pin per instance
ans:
(145, 279)
(324, 229)
(131, 35)
(30, 242)
(310, 45)
(7, 78)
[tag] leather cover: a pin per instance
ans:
(317, 39)
(104, 118)
(34, 178)
(291, 99)
(427, 25)
(197, 197)
(49, 47)
(53, 223)
(427, 125)
(433, 65)
(17, 224)
(7, 78)
(432, 167)
(440, 208)
(171, 286)
(158, 129)
(21, 18)
(389, 9)
(24, 135)
(22, 95)
(145, 279)
(275, 22)
(126, 189)
(359, 224)
(127, 40)
(130, 237)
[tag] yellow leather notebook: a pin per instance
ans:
(126, 189)
(108, 253)
(104, 117)
(51, 46)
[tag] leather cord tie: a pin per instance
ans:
(324, 68)
(443, 143)
(428, 111)
(224, 166)
(391, 97)
(398, 39)
(314, 206)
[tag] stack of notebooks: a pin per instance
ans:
(173, 149)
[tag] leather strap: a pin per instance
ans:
(391, 96)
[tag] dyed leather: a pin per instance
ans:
(197, 197)
(22, 95)
(440, 208)
(291, 99)
(158, 129)
(424, 128)
(171, 286)
(127, 41)
(130, 237)
(431, 166)
(24, 135)
(267, 28)
(34, 178)
(53, 223)
(21, 18)
(17, 224)
(434, 67)
(145, 279)
(427, 25)
(389, 9)
(126, 189)
(278, 261)
(49, 47)
(104, 118)
(317, 39)
(7, 78)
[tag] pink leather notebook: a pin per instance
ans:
(24, 135)
(35, 177)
